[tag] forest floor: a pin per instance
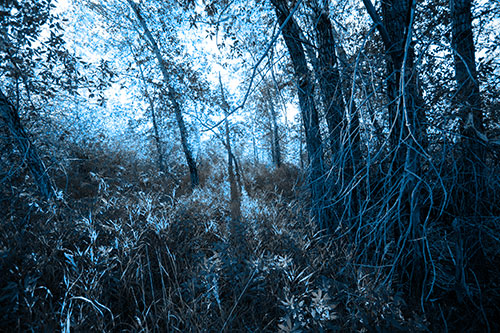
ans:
(124, 248)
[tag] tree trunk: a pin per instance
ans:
(329, 79)
(345, 148)
(161, 162)
(404, 106)
(254, 146)
(159, 148)
(236, 227)
(275, 140)
(404, 101)
(468, 99)
(394, 16)
(395, 31)
(235, 195)
(35, 164)
(319, 194)
(193, 171)
(467, 95)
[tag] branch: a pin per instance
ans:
(254, 72)
(378, 22)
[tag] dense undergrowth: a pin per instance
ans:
(125, 248)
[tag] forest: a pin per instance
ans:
(249, 166)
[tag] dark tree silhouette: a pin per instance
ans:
(319, 191)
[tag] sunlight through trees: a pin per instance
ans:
(235, 166)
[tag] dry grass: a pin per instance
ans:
(126, 249)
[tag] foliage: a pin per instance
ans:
(134, 254)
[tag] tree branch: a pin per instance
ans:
(378, 22)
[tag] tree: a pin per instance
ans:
(275, 138)
(328, 75)
(171, 94)
(21, 24)
(151, 102)
(343, 123)
(291, 33)
(236, 227)
(467, 94)
(402, 183)
(10, 115)
(468, 99)
(266, 107)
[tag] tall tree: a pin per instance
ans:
(237, 227)
(402, 183)
(291, 33)
(404, 101)
(342, 122)
(276, 150)
(149, 98)
(328, 75)
(270, 108)
(468, 99)
(171, 94)
(467, 94)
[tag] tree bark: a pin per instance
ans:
(235, 204)
(329, 78)
(10, 116)
(275, 139)
(320, 209)
(468, 99)
(467, 94)
(193, 171)
(404, 101)
(237, 229)
(159, 148)
(345, 145)
(231, 163)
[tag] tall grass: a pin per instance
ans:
(124, 248)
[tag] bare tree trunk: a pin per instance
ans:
(35, 164)
(344, 144)
(236, 227)
(468, 99)
(467, 95)
(328, 76)
(254, 146)
(235, 195)
(404, 101)
(319, 193)
(403, 107)
(193, 171)
(159, 148)
(275, 140)
(394, 16)
(161, 165)
(470, 195)
(301, 148)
